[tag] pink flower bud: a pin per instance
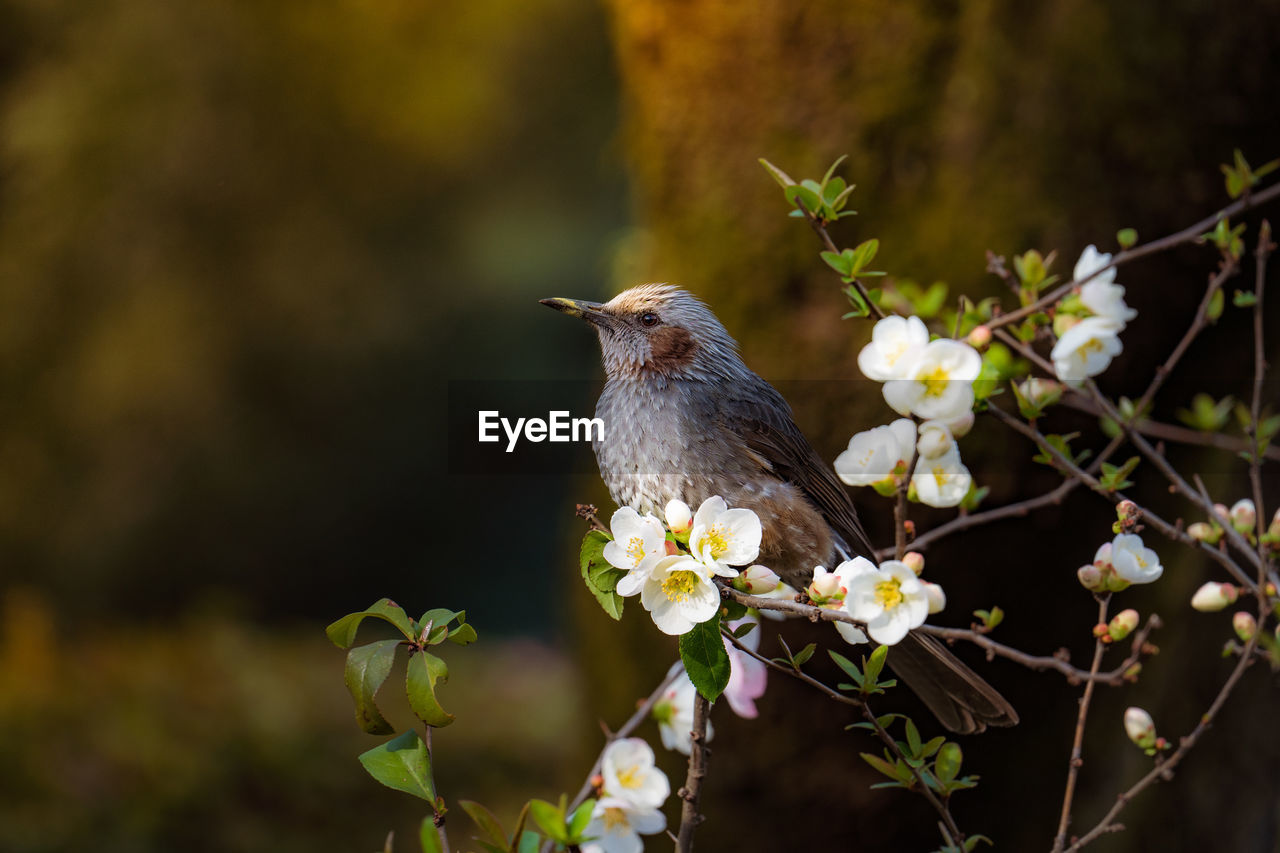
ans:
(1126, 510)
(1091, 578)
(937, 598)
(825, 587)
(979, 337)
(914, 561)
(1245, 625)
(679, 518)
(1102, 558)
(756, 580)
(1221, 511)
(1140, 728)
(1214, 596)
(1122, 624)
(1203, 532)
(1100, 630)
(960, 426)
(1274, 528)
(1243, 515)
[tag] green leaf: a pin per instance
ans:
(841, 262)
(1244, 299)
(783, 179)
(831, 170)
(880, 764)
(528, 842)
(463, 635)
(705, 658)
(485, 819)
(806, 196)
(425, 671)
(1113, 476)
(850, 669)
(732, 611)
(1216, 304)
(602, 578)
(862, 254)
(550, 819)
(872, 666)
(947, 765)
(801, 657)
(578, 821)
(402, 763)
(343, 631)
(367, 668)
(429, 836)
(1126, 237)
(972, 841)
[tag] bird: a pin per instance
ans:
(685, 418)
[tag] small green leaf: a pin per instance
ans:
(343, 632)
(947, 765)
(402, 763)
(801, 657)
(732, 611)
(601, 578)
(915, 746)
(880, 764)
(528, 842)
(485, 819)
(550, 819)
(1216, 303)
(1244, 299)
(743, 629)
(850, 669)
(578, 821)
(429, 836)
(425, 671)
(705, 658)
(783, 179)
(367, 668)
(1126, 237)
(872, 666)
(463, 635)
(841, 262)
(831, 170)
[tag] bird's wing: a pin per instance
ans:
(758, 414)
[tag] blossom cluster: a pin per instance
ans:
(1089, 338)
(890, 599)
(1123, 561)
(879, 457)
(631, 793)
(676, 586)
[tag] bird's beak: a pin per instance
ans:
(592, 312)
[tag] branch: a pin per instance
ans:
(1077, 745)
(1059, 662)
(1172, 432)
(1164, 769)
(821, 231)
(439, 815)
(1186, 235)
(964, 522)
(1264, 249)
(689, 817)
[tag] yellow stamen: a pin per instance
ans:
(716, 538)
(635, 549)
(615, 817)
(678, 586)
(935, 383)
(630, 777)
(889, 593)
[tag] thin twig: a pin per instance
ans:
(1164, 769)
(1077, 745)
(1186, 235)
(1058, 663)
(439, 815)
(698, 752)
(1261, 253)
(821, 231)
(900, 508)
(1173, 432)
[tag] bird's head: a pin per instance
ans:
(657, 330)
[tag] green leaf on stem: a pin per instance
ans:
(487, 822)
(429, 836)
(783, 179)
(550, 819)
(705, 658)
(947, 766)
(343, 632)
(367, 668)
(404, 764)
(601, 578)
(578, 821)
(424, 672)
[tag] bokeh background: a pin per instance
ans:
(257, 261)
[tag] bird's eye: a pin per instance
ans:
(648, 319)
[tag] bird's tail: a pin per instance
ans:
(956, 695)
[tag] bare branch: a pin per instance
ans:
(698, 753)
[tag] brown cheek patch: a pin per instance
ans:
(671, 348)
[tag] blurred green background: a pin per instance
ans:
(250, 252)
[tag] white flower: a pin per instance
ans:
(939, 382)
(616, 826)
(627, 767)
(935, 440)
(891, 600)
(936, 597)
(844, 573)
(1133, 561)
(1086, 349)
(895, 342)
(1140, 728)
(674, 713)
(679, 517)
(1101, 294)
(678, 593)
(873, 454)
(638, 543)
(1214, 596)
(723, 537)
(747, 676)
(942, 482)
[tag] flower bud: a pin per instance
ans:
(825, 587)
(937, 598)
(910, 527)
(1221, 511)
(979, 337)
(960, 426)
(1245, 625)
(679, 519)
(756, 580)
(1127, 510)
(1140, 728)
(935, 440)
(1101, 630)
(1214, 596)
(914, 561)
(1115, 583)
(1274, 528)
(1203, 532)
(1122, 624)
(1091, 578)
(1102, 557)
(1243, 515)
